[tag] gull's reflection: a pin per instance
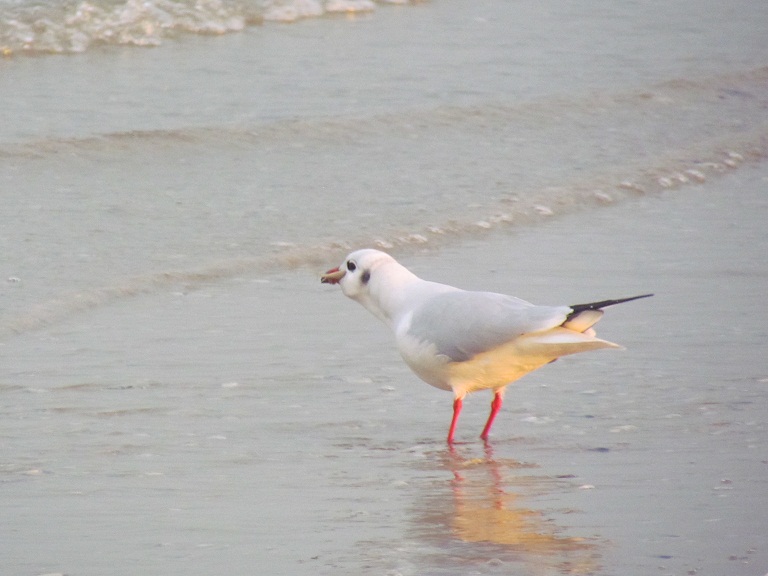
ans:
(487, 518)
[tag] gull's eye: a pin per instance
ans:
(351, 266)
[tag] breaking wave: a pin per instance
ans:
(73, 27)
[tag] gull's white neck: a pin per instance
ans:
(394, 291)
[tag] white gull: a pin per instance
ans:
(464, 341)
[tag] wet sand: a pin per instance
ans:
(267, 425)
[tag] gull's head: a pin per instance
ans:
(369, 277)
(355, 273)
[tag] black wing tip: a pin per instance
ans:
(603, 304)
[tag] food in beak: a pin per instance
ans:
(332, 276)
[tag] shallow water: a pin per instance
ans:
(127, 170)
(179, 394)
(266, 423)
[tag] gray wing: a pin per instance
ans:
(462, 324)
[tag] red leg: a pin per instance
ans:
(498, 399)
(456, 411)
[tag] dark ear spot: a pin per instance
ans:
(365, 277)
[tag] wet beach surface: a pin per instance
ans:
(266, 424)
(181, 396)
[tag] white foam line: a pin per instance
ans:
(723, 157)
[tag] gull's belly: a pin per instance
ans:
(426, 363)
(492, 369)
(497, 367)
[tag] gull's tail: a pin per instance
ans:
(584, 316)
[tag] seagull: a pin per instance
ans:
(464, 341)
